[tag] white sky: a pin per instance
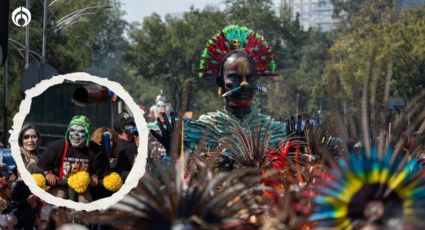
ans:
(136, 10)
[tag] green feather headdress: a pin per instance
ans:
(231, 38)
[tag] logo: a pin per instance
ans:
(21, 16)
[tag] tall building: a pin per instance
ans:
(313, 13)
(318, 13)
(406, 4)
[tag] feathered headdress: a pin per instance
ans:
(377, 190)
(233, 38)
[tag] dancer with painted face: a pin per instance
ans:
(64, 158)
(236, 57)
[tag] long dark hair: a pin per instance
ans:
(23, 130)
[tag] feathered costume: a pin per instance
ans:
(199, 200)
(366, 189)
(378, 184)
(233, 38)
(215, 126)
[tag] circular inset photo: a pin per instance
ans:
(79, 141)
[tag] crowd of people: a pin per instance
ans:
(241, 169)
(237, 169)
(84, 166)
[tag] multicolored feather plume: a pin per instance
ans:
(387, 191)
(234, 37)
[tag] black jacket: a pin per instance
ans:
(126, 152)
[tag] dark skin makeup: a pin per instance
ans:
(238, 71)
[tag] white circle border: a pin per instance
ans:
(139, 164)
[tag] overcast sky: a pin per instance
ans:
(138, 9)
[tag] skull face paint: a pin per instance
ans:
(239, 71)
(77, 135)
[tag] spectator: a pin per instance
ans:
(159, 109)
(103, 146)
(5, 194)
(126, 148)
(23, 206)
(99, 136)
(13, 176)
(7, 222)
(4, 171)
(57, 218)
(160, 97)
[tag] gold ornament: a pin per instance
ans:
(220, 91)
(236, 43)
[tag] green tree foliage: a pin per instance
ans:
(302, 56)
(302, 84)
(356, 13)
(399, 41)
(166, 54)
(258, 15)
(109, 47)
(163, 53)
(377, 61)
(70, 46)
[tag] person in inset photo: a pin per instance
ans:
(66, 163)
(29, 141)
(126, 148)
(103, 145)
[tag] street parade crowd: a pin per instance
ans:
(234, 168)
(86, 165)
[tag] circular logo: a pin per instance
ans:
(21, 16)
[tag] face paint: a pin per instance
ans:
(30, 140)
(238, 72)
(77, 135)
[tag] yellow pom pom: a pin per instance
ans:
(112, 182)
(40, 180)
(79, 181)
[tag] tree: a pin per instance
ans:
(70, 46)
(258, 15)
(356, 13)
(165, 54)
(302, 56)
(399, 41)
(109, 47)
